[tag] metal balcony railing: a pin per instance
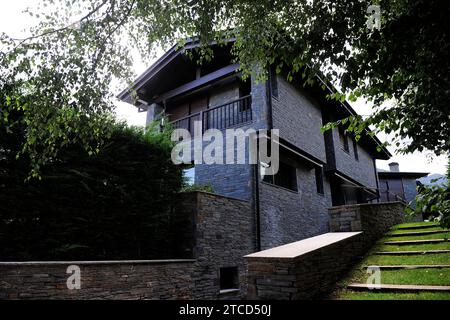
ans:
(220, 117)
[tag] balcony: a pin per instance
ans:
(221, 117)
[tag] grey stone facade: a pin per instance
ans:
(222, 232)
(298, 118)
(235, 180)
(106, 280)
(309, 275)
(310, 268)
(361, 170)
(287, 215)
(374, 219)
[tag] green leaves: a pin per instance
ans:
(112, 205)
(434, 201)
(69, 65)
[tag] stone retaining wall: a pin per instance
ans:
(303, 273)
(215, 231)
(374, 219)
(153, 279)
(224, 230)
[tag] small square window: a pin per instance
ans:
(229, 278)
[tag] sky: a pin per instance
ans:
(13, 22)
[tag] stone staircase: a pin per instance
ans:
(410, 288)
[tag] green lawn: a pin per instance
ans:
(417, 247)
(400, 231)
(413, 224)
(408, 276)
(409, 259)
(354, 295)
(428, 236)
(425, 276)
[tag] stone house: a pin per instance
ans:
(317, 170)
(398, 185)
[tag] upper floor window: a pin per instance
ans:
(319, 180)
(355, 149)
(273, 82)
(343, 139)
(245, 88)
(286, 177)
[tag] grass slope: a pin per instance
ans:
(402, 276)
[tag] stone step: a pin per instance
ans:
(434, 225)
(411, 266)
(419, 233)
(423, 241)
(411, 252)
(398, 287)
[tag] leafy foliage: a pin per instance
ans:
(61, 74)
(434, 201)
(115, 204)
(197, 187)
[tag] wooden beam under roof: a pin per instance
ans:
(198, 82)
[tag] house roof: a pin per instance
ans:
(173, 68)
(162, 72)
(394, 174)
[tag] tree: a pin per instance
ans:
(434, 201)
(62, 73)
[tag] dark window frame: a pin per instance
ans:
(319, 180)
(273, 82)
(286, 177)
(228, 278)
(343, 140)
(355, 149)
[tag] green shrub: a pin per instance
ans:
(434, 201)
(197, 187)
(111, 205)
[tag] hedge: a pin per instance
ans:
(113, 205)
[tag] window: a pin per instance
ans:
(189, 175)
(229, 278)
(273, 82)
(286, 177)
(245, 88)
(343, 138)
(319, 180)
(355, 149)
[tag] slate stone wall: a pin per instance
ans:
(235, 180)
(374, 219)
(308, 276)
(361, 170)
(288, 216)
(224, 234)
(299, 119)
(122, 280)
(221, 231)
